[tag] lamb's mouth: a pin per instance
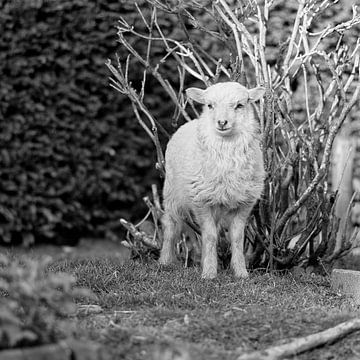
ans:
(223, 130)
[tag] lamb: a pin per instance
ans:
(214, 174)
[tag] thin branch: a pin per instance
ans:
(294, 34)
(247, 48)
(334, 128)
(139, 235)
(302, 344)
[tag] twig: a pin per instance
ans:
(302, 344)
(294, 34)
(334, 128)
(247, 38)
(156, 199)
(156, 215)
(139, 235)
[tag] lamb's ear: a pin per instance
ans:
(256, 93)
(196, 95)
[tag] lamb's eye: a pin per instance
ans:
(238, 106)
(210, 106)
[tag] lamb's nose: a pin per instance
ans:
(222, 123)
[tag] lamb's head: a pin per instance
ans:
(227, 106)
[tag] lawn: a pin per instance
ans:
(150, 312)
(144, 311)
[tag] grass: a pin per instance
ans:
(155, 313)
(152, 311)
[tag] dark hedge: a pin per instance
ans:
(72, 156)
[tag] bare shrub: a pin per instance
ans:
(312, 84)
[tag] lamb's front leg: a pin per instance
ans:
(209, 251)
(236, 236)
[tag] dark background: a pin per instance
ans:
(72, 156)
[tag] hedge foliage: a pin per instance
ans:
(72, 157)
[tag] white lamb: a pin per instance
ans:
(214, 174)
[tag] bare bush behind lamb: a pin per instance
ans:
(214, 174)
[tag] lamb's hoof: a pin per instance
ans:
(166, 258)
(168, 263)
(208, 275)
(243, 274)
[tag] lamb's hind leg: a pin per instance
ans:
(172, 231)
(236, 236)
